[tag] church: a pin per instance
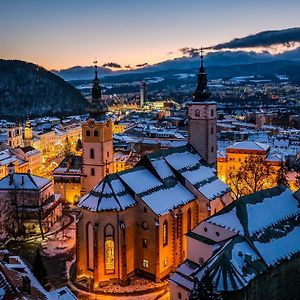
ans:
(135, 222)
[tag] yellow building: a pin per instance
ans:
(67, 179)
(7, 157)
(121, 161)
(236, 154)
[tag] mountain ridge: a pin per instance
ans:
(29, 89)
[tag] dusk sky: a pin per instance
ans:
(64, 33)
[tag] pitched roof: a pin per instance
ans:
(109, 194)
(159, 178)
(23, 181)
(250, 145)
(267, 224)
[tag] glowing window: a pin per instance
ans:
(165, 261)
(109, 249)
(109, 255)
(165, 233)
(145, 263)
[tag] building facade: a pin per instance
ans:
(202, 115)
(135, 221)
(28, 204)
(97, 141)
(241, 250)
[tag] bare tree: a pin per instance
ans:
(235, 181)
(253, 175)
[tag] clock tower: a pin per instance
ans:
(202, 114)
(97, 141)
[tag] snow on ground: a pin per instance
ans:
(136, 284)
(62, 242)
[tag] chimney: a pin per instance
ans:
(5, 256)
(26, 284)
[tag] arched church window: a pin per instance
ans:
(89, 245)
(88, 133)
(212, 130)
(96, 133)
(9, 133)
(197, 113)
(212, 112)
(92, 153)
(189, 219)
(165, 233)
(109, 249)
(92, 172)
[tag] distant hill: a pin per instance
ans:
(217, 59)
(28, 89)
(80, 73)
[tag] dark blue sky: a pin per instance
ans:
(63, 33)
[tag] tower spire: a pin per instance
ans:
(96, 90)
(202, 93)
(98, 107)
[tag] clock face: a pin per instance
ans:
(91, 123)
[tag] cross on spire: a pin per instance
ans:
(96, 68)
(201, 56)
(202, 93)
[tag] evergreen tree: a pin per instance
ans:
(67, 149)
(282, 175)
(39, 269)
(205, 289)
(78, 145)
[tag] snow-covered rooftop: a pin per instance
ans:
(156, 182)
(267, 231)
(250, 145)
(23, 181)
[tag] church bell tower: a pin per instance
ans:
(202, 114)
(28, 136)
(97, 140)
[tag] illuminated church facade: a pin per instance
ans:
(135, 222)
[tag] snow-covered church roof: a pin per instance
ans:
(267, 232)
(23, 181)
(109, 194)
(159, 180)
